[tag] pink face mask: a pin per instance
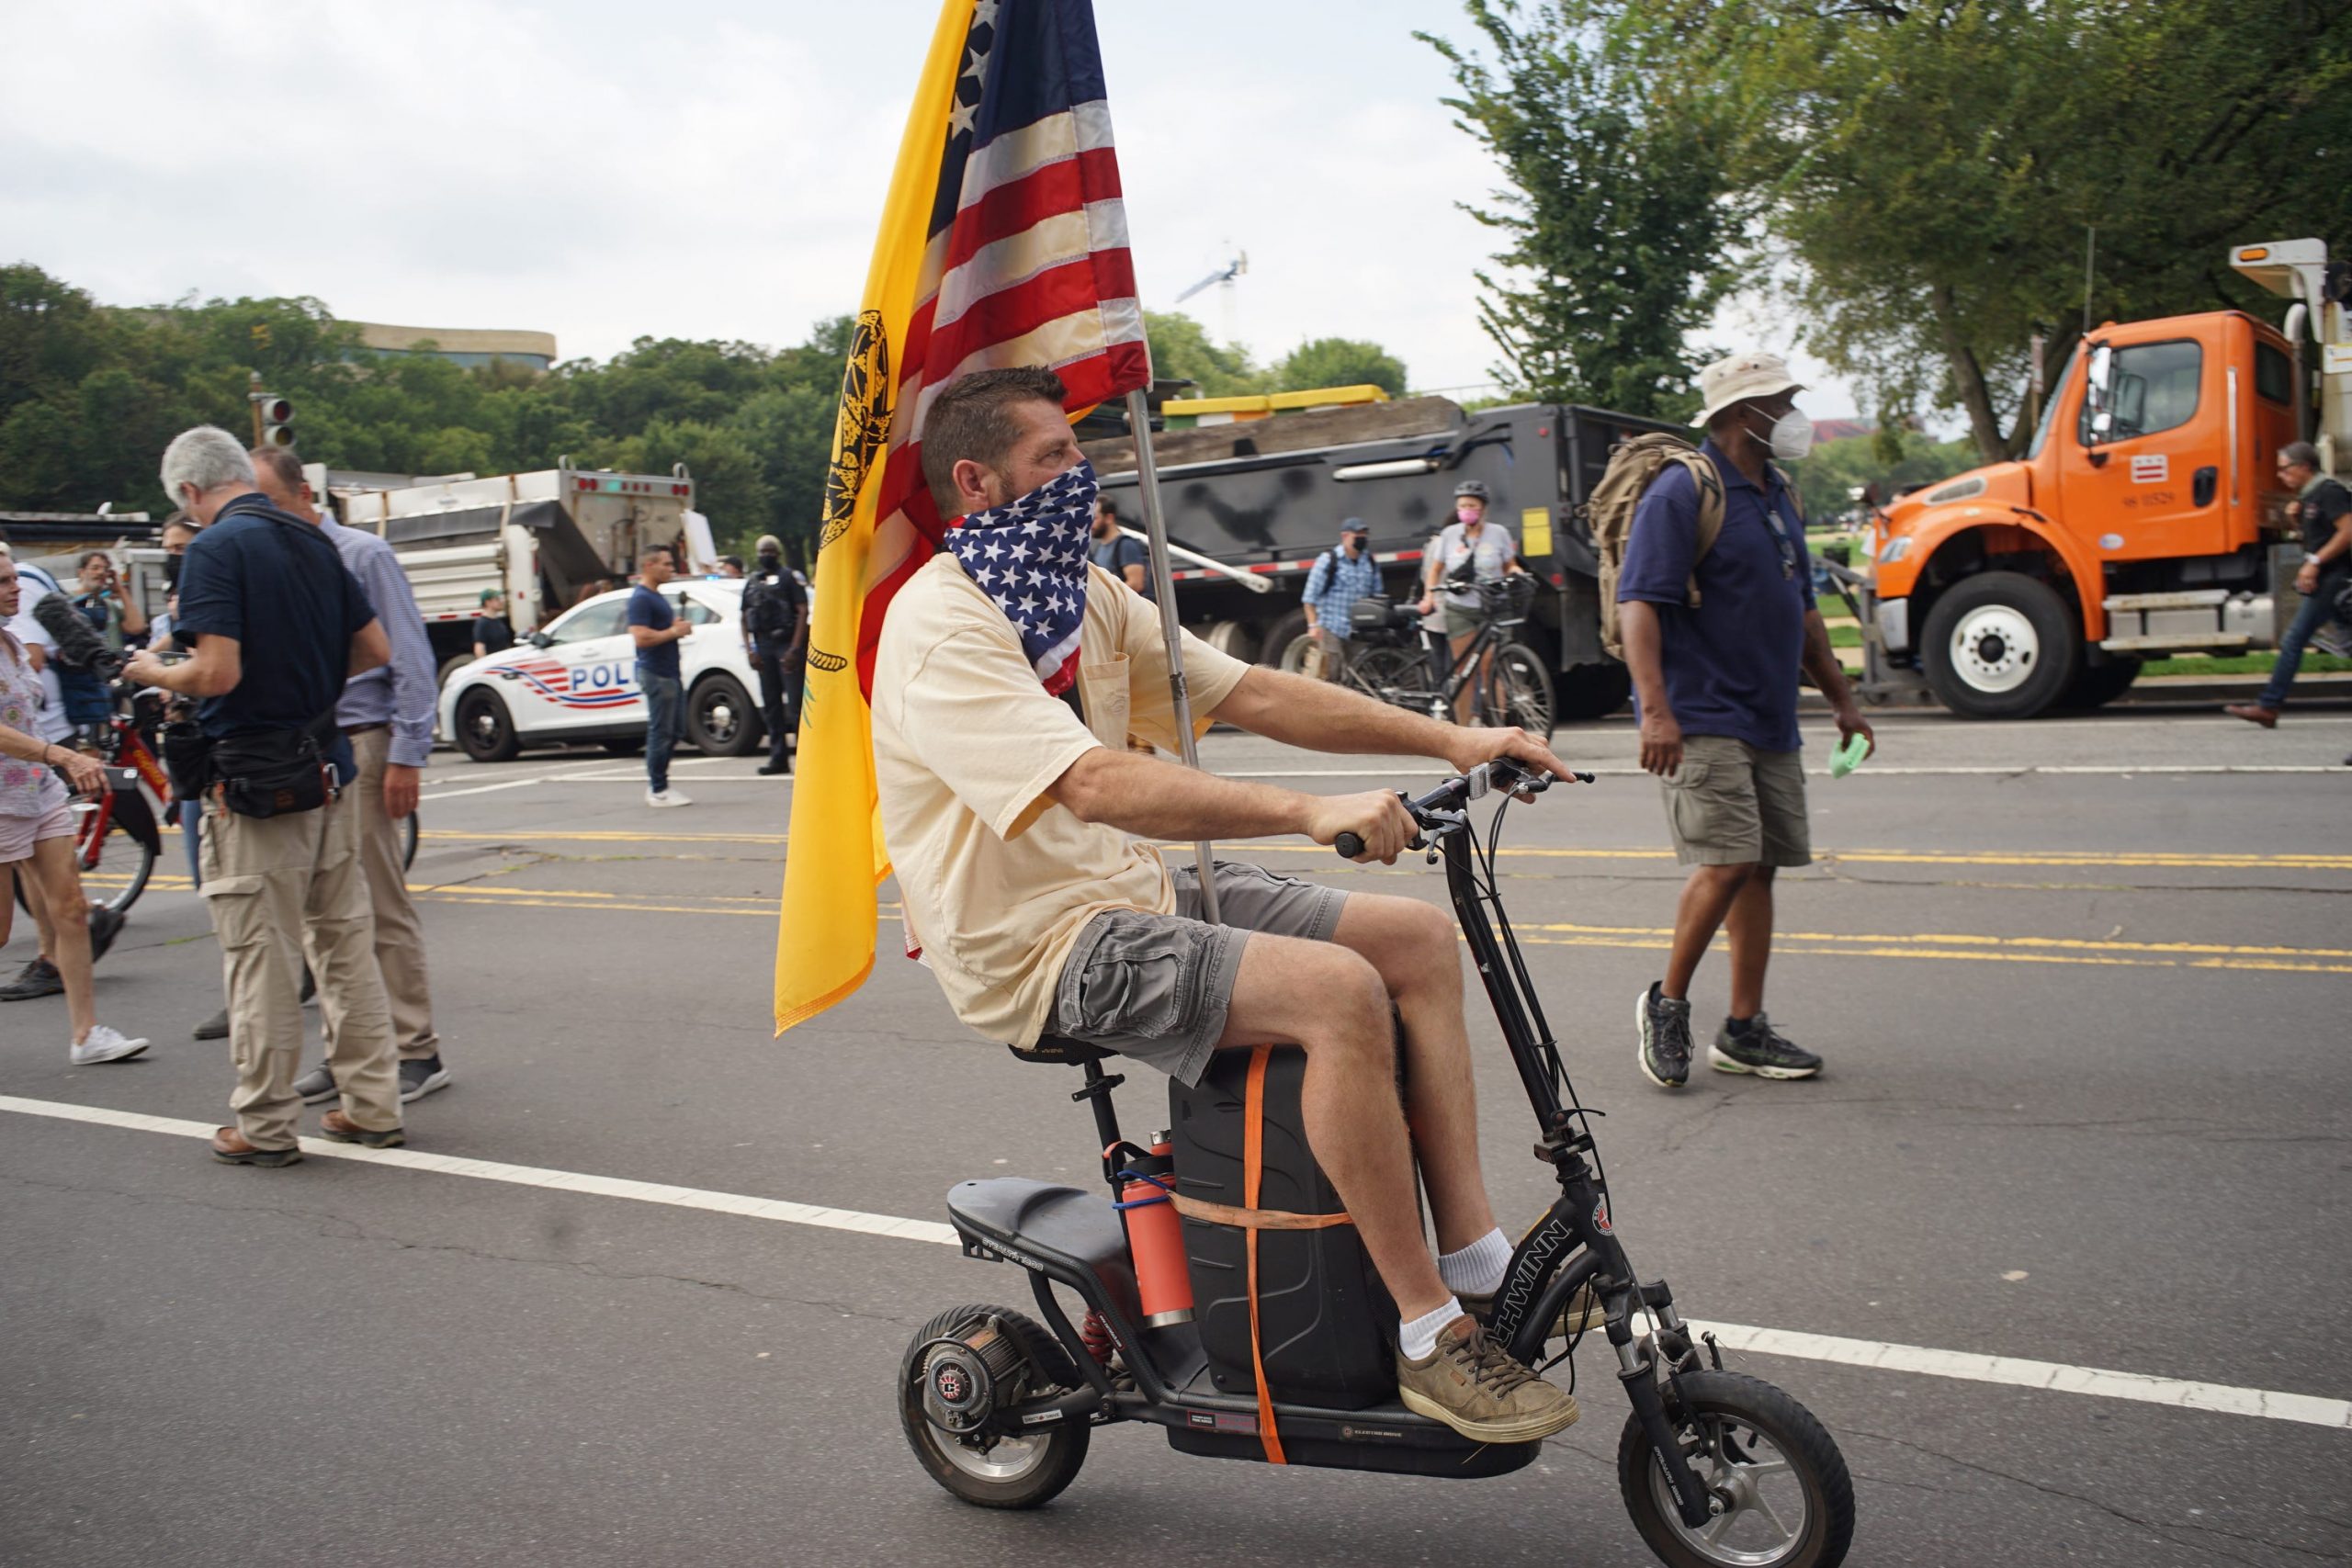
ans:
(1467, 516)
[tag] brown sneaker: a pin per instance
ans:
(344, 1130)
(1481, 1392)
(2253, 713)
(230, 1148)
(1583, 1312)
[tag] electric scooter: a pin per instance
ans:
(1717, 1468)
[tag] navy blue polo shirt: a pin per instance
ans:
(278, 586)
(649, 608)
(1731, 665)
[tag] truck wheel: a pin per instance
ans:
(450, 667)
(1287, 630)
(485, 732)
(1593, 691)
(720, 719)
(2001, 645)
(1237, 639)
(2100, 685)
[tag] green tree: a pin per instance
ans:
(1930, 168)
(1617, 228)
(1827, 480)
(1181, 350)
(1337, 362)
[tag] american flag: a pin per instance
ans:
(1002, 242)
(1028, 260)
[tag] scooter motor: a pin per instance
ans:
(966, 1378)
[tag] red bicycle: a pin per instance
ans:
(115, 839)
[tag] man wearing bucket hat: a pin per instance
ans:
(1715, 642)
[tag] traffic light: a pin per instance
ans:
(274, 419)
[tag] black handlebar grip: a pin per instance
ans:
(1349, 846)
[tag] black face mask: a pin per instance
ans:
(172, 572)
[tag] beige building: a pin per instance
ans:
(463, 345)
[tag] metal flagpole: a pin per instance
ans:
(1163, 584)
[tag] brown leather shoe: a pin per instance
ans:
(230, 1148)
(2253, 713)
(344, 1130)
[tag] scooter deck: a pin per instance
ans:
(1075, 1238)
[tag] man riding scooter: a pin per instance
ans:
(1010, 673)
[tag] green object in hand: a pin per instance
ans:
(1848, 757)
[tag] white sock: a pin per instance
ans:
(1417, 1337)
(1478, 1268)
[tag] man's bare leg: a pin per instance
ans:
(1332, 1002)
(1706, 900)
(1749, 926)
(1411, 945)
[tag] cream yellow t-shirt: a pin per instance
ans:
(997, 879)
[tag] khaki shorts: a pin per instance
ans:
(1730, 804)
(1157, 988)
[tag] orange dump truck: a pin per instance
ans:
(2145, 519)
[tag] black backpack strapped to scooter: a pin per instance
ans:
(1281, 1281)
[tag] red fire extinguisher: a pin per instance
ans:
(1155, 1234)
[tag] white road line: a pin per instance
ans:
(2311, 1410)
(1868, 770)
(478, 789)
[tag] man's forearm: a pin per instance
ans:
(1644, 657)
(1821, 662)
(1165, 800)
(1320, 716)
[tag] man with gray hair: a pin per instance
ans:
(387, 716)
(279, 624)
(2323, 509)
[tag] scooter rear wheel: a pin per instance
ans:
(1010, 1473)
(1788, 1500)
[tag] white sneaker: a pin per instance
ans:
(104, 1044)
(666, 797)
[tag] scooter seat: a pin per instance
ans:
(1074, 1236)
(1061, 1051)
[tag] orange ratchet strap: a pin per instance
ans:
(1253, 1160)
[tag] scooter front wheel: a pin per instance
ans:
(1787, 1500)
(1026, 1472)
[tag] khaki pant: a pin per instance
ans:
(400, 935)
(271, 884)
(1730, 804)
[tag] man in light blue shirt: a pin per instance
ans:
(387, 716)
(1337, 579)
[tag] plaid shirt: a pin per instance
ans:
(1335, 584)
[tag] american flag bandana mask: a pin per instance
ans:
(1030, 557)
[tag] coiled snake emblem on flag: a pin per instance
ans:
(862, 426)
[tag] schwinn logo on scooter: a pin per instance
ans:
(1550, 1238)
(1601, 1217)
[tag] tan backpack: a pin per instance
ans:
(1609, 510)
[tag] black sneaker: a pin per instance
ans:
(317, 1085)
(105, 926)
(38, 978)
(421, 1076)
(1665, 1024)
(1761, 1049)
(213, 1028)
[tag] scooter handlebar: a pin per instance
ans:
(1453, 795)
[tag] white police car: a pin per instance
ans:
(575, 679)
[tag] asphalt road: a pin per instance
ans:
(2084, 1106)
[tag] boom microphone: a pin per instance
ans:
(78, 646)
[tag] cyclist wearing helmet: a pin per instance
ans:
(1493, 555)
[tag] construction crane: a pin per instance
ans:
(1225, 275)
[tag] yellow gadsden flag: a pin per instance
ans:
(1003, 243)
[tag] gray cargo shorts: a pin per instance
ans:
(1157, 988)
(1730, 804)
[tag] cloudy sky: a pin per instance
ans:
(713, 168)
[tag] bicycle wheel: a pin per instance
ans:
(114, 873)
(1519, 691)
(1396, 675)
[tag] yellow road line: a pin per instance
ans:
(2146, 860)
(1960, 940)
